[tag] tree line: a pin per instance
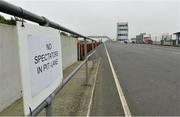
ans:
(11, 21)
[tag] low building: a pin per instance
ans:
(177, 38)
(166, 39)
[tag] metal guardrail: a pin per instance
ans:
(100, 36)
(47, 103)
(11, 9)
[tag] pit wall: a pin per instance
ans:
(69, 50)
(10, 83)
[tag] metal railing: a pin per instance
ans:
(11, 9)
(100, 36)
(47, 103)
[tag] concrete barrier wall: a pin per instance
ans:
(10, 85)
(69, 50)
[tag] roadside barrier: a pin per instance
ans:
(13, 10)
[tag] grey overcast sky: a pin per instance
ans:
(100, 17)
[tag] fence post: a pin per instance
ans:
(49, 110)
(86, 64)
(93, 58)
(79, 51)
(92, 45)
(49, 106)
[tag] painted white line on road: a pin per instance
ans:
(120, 92)
(92, 93)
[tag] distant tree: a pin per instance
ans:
(11, 21)
(2, 18)
(64, 34)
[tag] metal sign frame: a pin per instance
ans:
(32, 102)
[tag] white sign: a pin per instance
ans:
(41, 63)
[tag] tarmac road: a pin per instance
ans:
(106, 100)
(149, 76)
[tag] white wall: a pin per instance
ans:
(10, 85)
(69, 50)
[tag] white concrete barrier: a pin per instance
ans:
(69, 50)
(10, 84)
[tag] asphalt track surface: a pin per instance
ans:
(149, 76)
(106, 100)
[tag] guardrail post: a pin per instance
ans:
(86, 64)
(93, 58)
(49, 107)
(95, 48)
(49, 110)
(92, 45)
(79, 51)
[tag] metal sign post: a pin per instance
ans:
(92, 45)
(49, 106)
(86, 64)
(49, 110)
(93, 48)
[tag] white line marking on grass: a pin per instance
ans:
(120, 92)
